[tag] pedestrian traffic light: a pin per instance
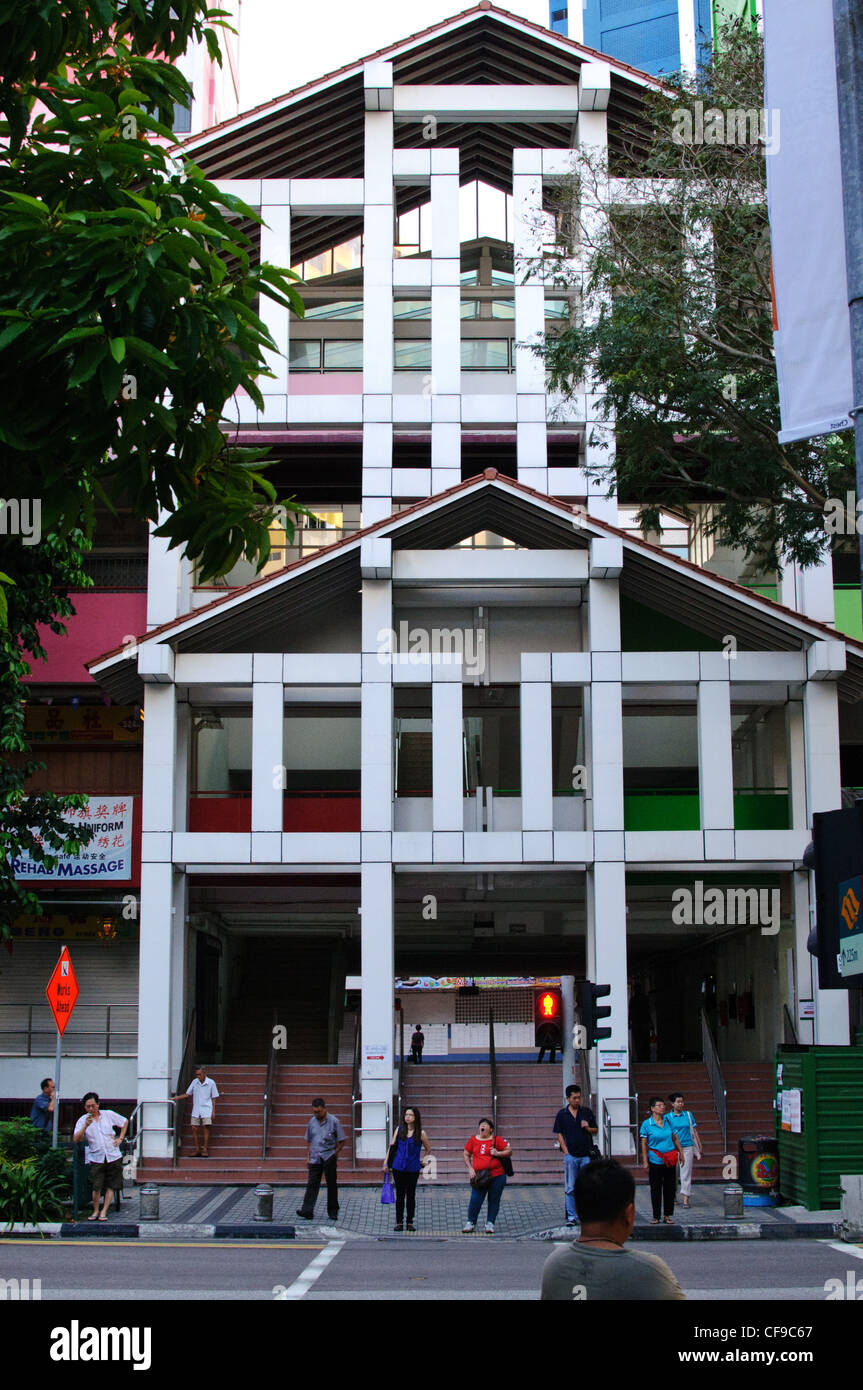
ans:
(547, 1018)
(835, 856)
(588, 993)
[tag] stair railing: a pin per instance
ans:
(355, 1093)
(492, 1057)
(269, 1088)
(717, 1082)
(790, 1031)
(631, 1125)
(184, 1080)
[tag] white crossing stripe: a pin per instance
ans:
(855, 1251)
(311, 1273)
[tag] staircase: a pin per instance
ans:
(660, 1079)
(452, 1097)
(750, 1100)
(293, 978)
(235, 1144)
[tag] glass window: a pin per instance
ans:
(470, 309)
(319, 265)
(336, 309)
(485, 354)
(412, 309)
(503, 308)
(491, 212)
(409, 228)
(557, 308)
(348, 256)
(412, 355)
(467, 212)
(343, 355)
(304, 356)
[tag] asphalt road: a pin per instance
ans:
(403, 1269)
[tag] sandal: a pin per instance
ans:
(669, 1221)
(655, 1221)
(94, 1217)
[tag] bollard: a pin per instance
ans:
(264, 1195)
(149, 1209)
(733, 1198)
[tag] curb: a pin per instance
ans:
(718, 1230)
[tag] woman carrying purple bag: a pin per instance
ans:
(405, 1160)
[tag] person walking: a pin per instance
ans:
(42, 1109)
(405, 1160)
(418, 1042)
(575, 1126)
(482, 1155)
(660, 1154)
(204, 1093)
(326, 1139)
(105, 1160)
(686, 1129)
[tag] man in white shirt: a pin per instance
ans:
(96, 1129)
(204, 1092)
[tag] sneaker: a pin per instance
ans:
(468, 1228)
(399, 1226)
(489, 1228)
(572, 1223)
(411, 1226)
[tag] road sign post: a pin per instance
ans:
(62, 996)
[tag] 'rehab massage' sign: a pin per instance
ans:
(107, 857)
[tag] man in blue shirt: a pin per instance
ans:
(575, 1127)
(42, 1112)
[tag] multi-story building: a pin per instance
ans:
(654, 35)
(471, 723)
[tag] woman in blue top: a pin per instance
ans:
(658, 1143)
(404, 1160)
(686, 1129)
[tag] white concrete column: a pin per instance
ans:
(535, 726)
(378, 234)
(155, 977)
(715, 771)
(179, 930)
(797, 764)
(159, 760)
(268, 714)
(376, 730)
(686, 30)
(806, 967)
(163, 577)
(445, 320)
(599, 449)
(606, 717)
(276, 248)
(824, 793)
(607, 965)
(531, 406)
(378, 973)
(447, 761)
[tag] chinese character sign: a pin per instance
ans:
(107, 857)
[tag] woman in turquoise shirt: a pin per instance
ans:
(685, 1127)
(657, 1141)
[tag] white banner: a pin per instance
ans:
(807, 229)
(108, 856)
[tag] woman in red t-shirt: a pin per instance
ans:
(482, 1153)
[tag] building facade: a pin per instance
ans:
(471, 722)
(658, 36)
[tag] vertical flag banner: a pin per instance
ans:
(807, 228)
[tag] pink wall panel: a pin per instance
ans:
(101, 622)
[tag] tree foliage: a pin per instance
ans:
(674, 325)
(129, 317)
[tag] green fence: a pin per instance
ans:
(668, 808)
(830, 1143)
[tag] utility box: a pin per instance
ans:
(819, 1122)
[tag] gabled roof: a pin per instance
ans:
(712, 604)
(317, 130)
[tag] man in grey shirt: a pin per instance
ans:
(596, 1267)
(326, 1139)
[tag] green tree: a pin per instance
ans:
(672, 319)
(129, 299)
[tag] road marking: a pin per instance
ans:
(311, 1273)
(125, 1243)
(855, 1251)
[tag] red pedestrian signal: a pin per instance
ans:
(548, 1005)
(547, 1018)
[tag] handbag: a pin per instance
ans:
(387, 1194)
(669, 1159)
(481, 1180)
(596, 1152)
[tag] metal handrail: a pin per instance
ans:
(136, 1132)
(717, 1082)
(355, 1086)
(73, 1032)
(790, 1030)
(631, 1125)
(492, 1057)
(184, 1077)
(269, 1087)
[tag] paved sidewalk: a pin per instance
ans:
(526, 1212)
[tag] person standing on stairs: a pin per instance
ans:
(418, 1042)
(204, 1093)
(326, 1139)
(405, 1160)
(686, 1129)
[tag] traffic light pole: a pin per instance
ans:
(567, 995)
